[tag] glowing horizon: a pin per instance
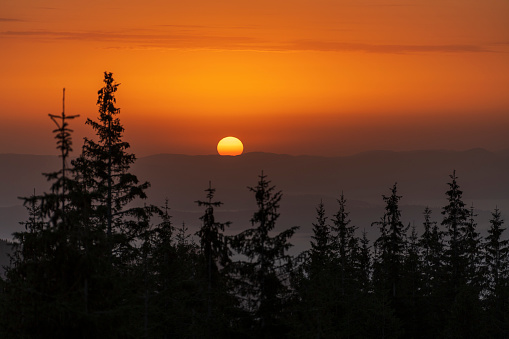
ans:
(327, 77)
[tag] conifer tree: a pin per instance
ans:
(461, 293)
(388, 267)
(321, 250)
(113, 185)
(390, 245)
(346, 246)
(455, 220)
(315, 316)
(431, 245)
(45, 278)
(365, 264)
(215, 258)
(263, 278)
(473, 252)
(497, 284)
(412, 281)
(105, 187)
(431, 249)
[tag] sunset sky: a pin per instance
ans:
(324, 77)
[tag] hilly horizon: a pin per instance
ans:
(305, 180)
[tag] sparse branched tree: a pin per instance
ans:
(45, 279)
(64, 144)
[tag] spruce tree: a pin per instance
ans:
(461, 293)
(473, 252)
(346, 246)
(321, 250)
(315, 314)
(45, 279)
(497, 282)
(455, 221)
(388, 267)
(431, 249)
(263, 276)
(113, 185)
(390, 246)
(106, 187)
(215, 260)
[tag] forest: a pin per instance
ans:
(93, 260)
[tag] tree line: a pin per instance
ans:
(92, 263)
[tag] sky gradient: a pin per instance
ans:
(321, 77)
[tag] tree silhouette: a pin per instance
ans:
(215, 255)
(263, 277)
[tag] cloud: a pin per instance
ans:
(381, 48)
(194, 39)
(9, 20)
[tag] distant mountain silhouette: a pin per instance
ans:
(422, 178)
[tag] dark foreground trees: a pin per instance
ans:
(263, 277)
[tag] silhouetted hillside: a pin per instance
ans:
(304, 180)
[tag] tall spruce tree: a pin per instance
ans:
(390, 246)
(113, 185)
(431, 249)
(346, 246)
(461, 295)
(321, 251)
(263, 277)
(497, 282)
(473, 252)
(215, 259)
(455, 220)
(388, 266)
(107, 187)
(314, 314)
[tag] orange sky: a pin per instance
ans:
(325, 77)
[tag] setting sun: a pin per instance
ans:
(230, 146)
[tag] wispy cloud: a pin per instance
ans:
(10, 20)
(384, 48)
(184, 39)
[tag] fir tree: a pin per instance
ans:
(473, 251)
(455, 220)
(497, 284)
(431, 249)
(388, 267)
(263, 278)
(345, 245)
(390, 245)
(321, 250)
(113, 186)
(215, 255)
(315, 316)
(461, 293)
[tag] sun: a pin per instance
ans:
(230, 146)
